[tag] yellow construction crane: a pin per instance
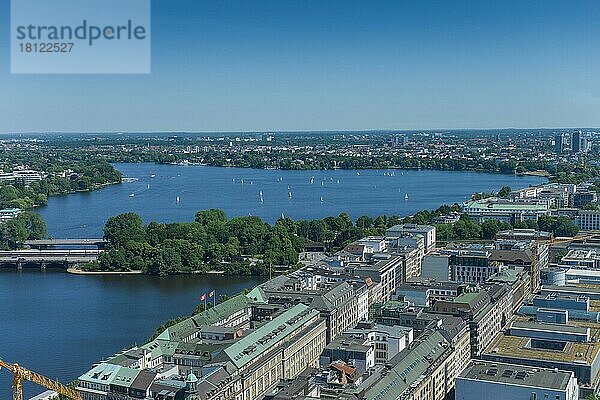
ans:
(20, 374)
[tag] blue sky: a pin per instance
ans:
(327, 65)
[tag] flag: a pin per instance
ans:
(211, 294)
(203, 297)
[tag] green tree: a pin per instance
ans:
(213, 215)
(546, 223)
(124, 228)
(489, 228)
(12, 233)
(34, 225)
(565, 227)
(465, 229)
(167, 261)
(504, 191)
(444, 232)
(364, 222)
(8, 193)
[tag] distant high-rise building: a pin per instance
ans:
(579, 142)
(585, 144)
(560, 143)
(576, 142)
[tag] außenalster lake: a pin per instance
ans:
(59, 324)
(297, 194)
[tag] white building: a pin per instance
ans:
(362, 296)
(488, 380)
(47, 395)
(27, 176)
(375, 244)
(427, 231)
(9, 213)
(387, 341)
(503, 210)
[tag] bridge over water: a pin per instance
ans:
(52, 243)
(42, 258)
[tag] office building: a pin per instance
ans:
(560, 143)
(336, 302)
(486, 380)
(588, 220)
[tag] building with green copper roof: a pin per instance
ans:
(504, 210)
(231, 313)
(247, 348)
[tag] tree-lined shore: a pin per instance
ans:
(249, 246)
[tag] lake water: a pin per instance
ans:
(237, 191)
(59, 324)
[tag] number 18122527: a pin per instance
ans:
(46, 47)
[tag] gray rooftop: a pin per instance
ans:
(545, 327)
(517, 375)
(408, 366)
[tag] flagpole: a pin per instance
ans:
(214, 298)
(204, 302)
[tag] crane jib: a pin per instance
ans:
(21, 373)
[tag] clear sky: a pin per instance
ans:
(223, 65)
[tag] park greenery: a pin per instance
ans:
(241, 245)
(249, 246)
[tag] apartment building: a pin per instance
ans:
(486, 312)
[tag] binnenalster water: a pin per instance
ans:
(59, 324)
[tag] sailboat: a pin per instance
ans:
(321, 199)
(406, 196)
(290, 195)
(177, 199)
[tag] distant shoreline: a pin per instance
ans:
(543, 174)
(76, 271)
